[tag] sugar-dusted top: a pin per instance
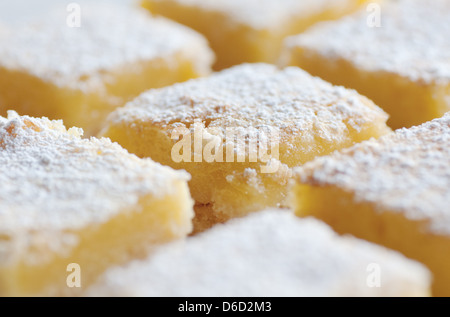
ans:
(4, 30)
(256, 96)
(407, 171)
(413, 40)
(110, 38)
(267, 14)
(271, 253)
(52, 181)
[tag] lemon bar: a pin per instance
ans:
(204, 219)
(80, 74)
(403, 65)
(250, 30)
(393, 191)
(239, 131)
(66, 200)
(271, 253)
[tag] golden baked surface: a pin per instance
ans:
(250, 30)
(266, 14)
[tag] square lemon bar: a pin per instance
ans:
(67, 202)
(271, 253)
(394, 191)
(239, 131)
(402, 63)
(249, 30)
(80, 74)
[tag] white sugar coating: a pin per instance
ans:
(4, 30)
(52, 180)
(406, 172)
(110, 38)
(258, 96)
(266, 14)
(270, 253)
(413, 40)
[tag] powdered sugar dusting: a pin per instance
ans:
(256, 96)
(267, 14)
(4, 31)
(270, 253)
(407, 172)
(110, 38)
(51, 180)
(413, 40)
